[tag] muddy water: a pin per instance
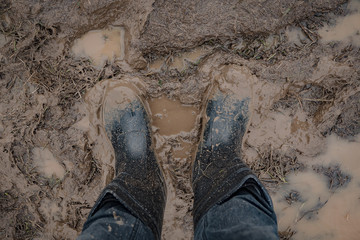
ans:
(100, 46)
(346, 29)
(171, 117)
(320, 212)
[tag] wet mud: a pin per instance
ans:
(319, 203)
(61, 63)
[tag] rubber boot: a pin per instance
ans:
(139, 185)
(218, 170)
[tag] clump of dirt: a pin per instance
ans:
(304, 89)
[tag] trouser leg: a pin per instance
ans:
(113, 221)
(245, 215)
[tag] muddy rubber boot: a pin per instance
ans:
(139, 185)
(218, 171)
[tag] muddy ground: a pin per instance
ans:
(52, 168)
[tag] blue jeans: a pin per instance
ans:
(245, 215)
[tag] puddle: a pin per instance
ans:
(47, 164)
(101, 45)
(171, 117)
(347, 29)
(308, 204)
(179, 61)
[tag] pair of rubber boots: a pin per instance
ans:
(218, 171)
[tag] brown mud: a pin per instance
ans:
(59, 59)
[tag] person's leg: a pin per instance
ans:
(112, 222)
(229, 201)
(245, 215)
(132, 205)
